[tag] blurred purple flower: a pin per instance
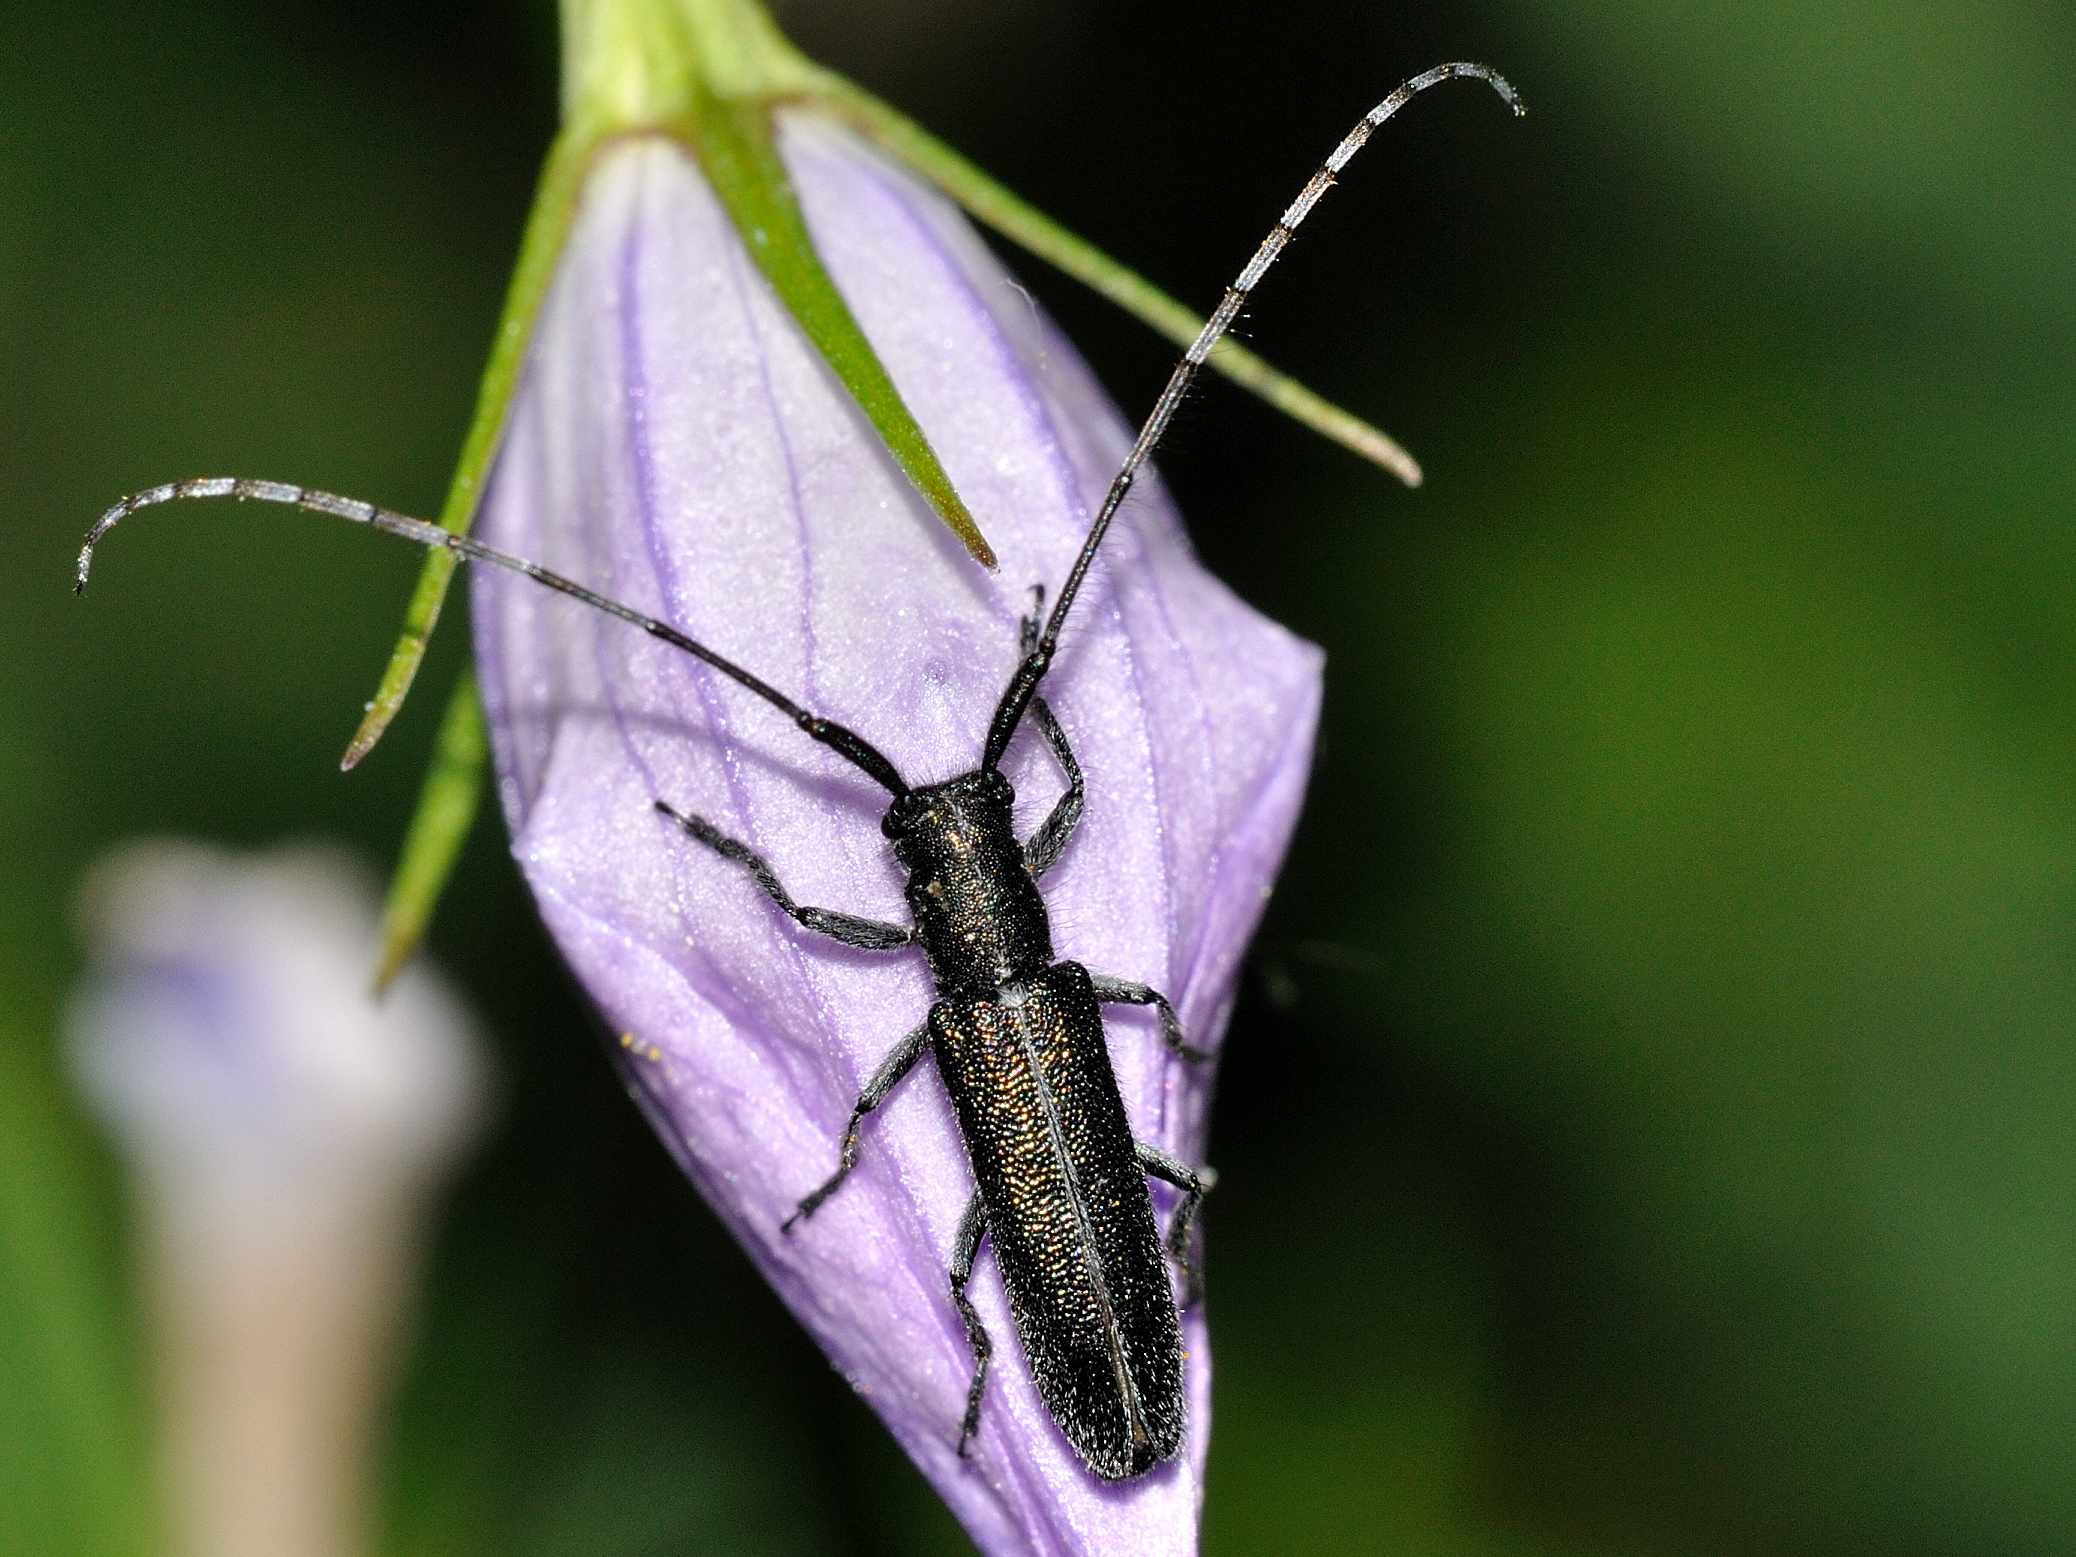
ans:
(677, 444)
(286, 1135)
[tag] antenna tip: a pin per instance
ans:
(1494, 80)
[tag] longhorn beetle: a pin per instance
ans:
(1018, 1036)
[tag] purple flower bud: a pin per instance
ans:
(677, 445)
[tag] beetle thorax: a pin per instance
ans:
(977, 911)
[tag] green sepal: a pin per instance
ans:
(1035, 232)
(447, 805)
(554, 210)
(737, 148)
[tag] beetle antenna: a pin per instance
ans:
(845, 743)
(1032, 670)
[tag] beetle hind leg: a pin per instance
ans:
(1195, 1184)
(973, 1226)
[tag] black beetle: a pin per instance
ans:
(1018, 1036)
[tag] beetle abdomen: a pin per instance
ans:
(1069, 1214)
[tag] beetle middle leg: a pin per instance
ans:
(1050, 840)
(1195, 1184)
(973, 1227)
(866, 934)
(1123, 992)
(897, 1064)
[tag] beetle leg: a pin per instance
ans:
(891, 1069)
(866, 934)
(1050, 840)
(973, 1227)
(1195, 1184)
(1123, 992)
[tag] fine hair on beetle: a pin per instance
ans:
(1017, 1033)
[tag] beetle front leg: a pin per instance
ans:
(1049, 842)
(973, 1226)
(1195, 1184)
(865, 934)
(1123, 992)
(891, 1069)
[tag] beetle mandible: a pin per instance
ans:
(1017, 1034)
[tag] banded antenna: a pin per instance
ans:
(846, 743)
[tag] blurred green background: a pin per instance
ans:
(1646, 1128)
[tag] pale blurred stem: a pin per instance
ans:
(272, 1365)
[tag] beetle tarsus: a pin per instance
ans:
(1195, 1184)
